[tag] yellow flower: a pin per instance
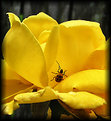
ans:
(31, 50)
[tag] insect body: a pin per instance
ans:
(59, 75)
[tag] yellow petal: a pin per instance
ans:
(43, 46)
(51, 47)
(94, 81)
(76, 100)
(10, 88)
(102, 111)
(78, 39)
(43, 37)
(98, 59)
(66, 117)
(81, 100)
(49, 113)
(9, 74)
(12, 18)
(38, 23)
(80, 113)
(8, 108)
(12, 83)
(42, 95)
(24, 55)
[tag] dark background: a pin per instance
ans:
(98, 11)
(60, 10)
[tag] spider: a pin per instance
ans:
(60, 74)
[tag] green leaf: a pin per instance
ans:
(21, 17)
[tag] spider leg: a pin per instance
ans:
(54, 73)
(53, 78)
(64, 72)
(66, 75)
(59, 66)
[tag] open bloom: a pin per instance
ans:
(31, 49)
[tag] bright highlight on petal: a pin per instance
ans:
(94, 81)
(42, 95)
(25, 55)
(81, 100)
